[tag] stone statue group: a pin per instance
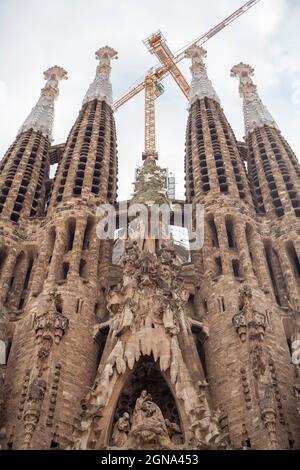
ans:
(146, 428)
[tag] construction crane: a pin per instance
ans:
(156, 44)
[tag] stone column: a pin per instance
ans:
(241, 241)
(7, 273)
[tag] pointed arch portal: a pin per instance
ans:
(148, 376)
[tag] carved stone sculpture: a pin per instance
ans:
(174, 432)
(33, 407)
(50, 322)
(121, 430)
(148, 428)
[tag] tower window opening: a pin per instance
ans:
(294, 258)
(14, 217)
(87, 234)
(28, 274)
(268, 253)
(71, 235)
(65, 270)
(236, 268)
(83, 269)
(224, 188)
(3, 254)
(218, 264)
(289, 343)
(52, 238)
(213, 232)
(101, 340)
(199, 340)
(230, 234)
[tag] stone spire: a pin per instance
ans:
(201, 86)
(255, 113)
(42, 115)
(101, 89)
(150, 185)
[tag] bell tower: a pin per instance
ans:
(274, 173)
(235, 295)
(66, 300)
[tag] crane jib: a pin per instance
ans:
(162, 71)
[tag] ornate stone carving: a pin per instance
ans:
(24, 393)
(278, 400)
(36, 393)
(252, 326)
(248, 320)
(257, 360)
(146, 316)
(268, 413)
(240, 324)
(42, 115)
(101, 88)
(255, 112)
(4, 342)
(297, 388)
(49, 325)
(148, 429)
(201, 86)
(50, 322)
(147, 374)
(121, 430)
(174, 432)
(246, 388)
(294, 306)
(53, 395)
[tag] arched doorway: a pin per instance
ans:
(147, 376)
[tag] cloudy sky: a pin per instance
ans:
(36, 34)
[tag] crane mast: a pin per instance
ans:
(156, 44)
(153, 89)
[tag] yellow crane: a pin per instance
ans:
(156, 44)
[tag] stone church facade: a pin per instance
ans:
(154, 351)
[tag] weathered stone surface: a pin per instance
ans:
(155, 352)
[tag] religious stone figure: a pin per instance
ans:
(36, 394)
(138, 413)
(174, 432)
(121, 430)
(148, 429)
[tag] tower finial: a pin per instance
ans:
(255, 112)
(244, 72)
(41, 116)
(201, 86)
(101, 88)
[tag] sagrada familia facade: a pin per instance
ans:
(156, 351)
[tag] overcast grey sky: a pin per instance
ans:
(36, 34)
